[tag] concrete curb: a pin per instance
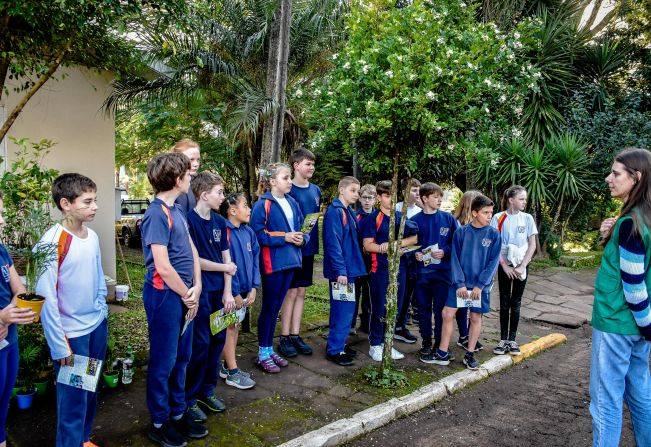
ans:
(368, 420)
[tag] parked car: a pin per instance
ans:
(128, 227)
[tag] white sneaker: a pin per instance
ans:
(396, 355)
(376, 353)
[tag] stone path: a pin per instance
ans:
(556, 296)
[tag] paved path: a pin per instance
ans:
(541, 402)
(556, 296)
(312, 392)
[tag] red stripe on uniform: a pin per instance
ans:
(500, 222)
(158, 281)
(266, 260)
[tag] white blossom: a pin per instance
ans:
(348, 110)
(335, 56)
(412, 77)
(487, 110)
(430, 95)
(516, 35)
(361, 62)
(518, 111)
(317, 92)
(502, 98)
(488, 82)
(299, 93)
(399, 58)
(451, 147)
(329, 93)
(389, 74)
(346, 65)
(365, 69)
(440, 40)
(449, 52)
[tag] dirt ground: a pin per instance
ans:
(542, 402)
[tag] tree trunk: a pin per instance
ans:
(393, 256)
(11, 118)
(272, 134)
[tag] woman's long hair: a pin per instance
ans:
(463, 212)
(637, 160)
(510, 193)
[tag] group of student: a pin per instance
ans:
(206, 252)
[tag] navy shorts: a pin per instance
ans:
(303, 276)
(485, 300)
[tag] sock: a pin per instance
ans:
(441, 353)
(177, 417)
(263, 354)
(157, 425)
(233, 371)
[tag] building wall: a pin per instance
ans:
(68, 111)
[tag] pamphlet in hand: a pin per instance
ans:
(186, 323)
(427, 255)
(468, 301)
(310, 222)
(343, 292)
(83, 372)
(410, 248)
(220, 321)
(3, 344)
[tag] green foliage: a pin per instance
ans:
(26, 188)
(423, 81)
(37, 261)
(386, 378)
(34, 354)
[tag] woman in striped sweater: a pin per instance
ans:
(621, 317)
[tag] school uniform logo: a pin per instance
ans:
(486, 242)
(444, 231)
(317, 200)
(5, 272)
(521, 230)
(248, 246)
(217, 235)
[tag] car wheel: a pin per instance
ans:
(127, 238)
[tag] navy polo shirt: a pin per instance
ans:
(210, 239)
(309, 200)
(164, 225)
(376, 226)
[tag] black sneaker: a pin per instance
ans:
(436, 358)
(211, 404)
(299, 345)
(514, 349)
(197, 414)
(190, 429)
(350, 352)
(286, 347)
(404, 336)
(167, 436)
(470, 361)
(463, 342)
(503, 347)
(426, 347)
(340, 359)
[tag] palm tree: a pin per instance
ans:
(218, 53)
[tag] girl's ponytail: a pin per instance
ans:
(511, 192)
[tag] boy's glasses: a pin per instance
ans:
(367, 198)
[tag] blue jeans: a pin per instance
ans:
(619, 372)
(169, 353)
(201, 374)
(76, 407)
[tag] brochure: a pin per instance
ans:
(468, 301)
(185, 325)
(410, 248)
(427, 255)
(310, 222)
(83, 372)
(3, 344)
(220, 321)
(343, 292)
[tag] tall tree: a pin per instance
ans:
(416, 85)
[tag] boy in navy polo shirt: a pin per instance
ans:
(342, 264)
(475, 256)
(308, 196)
(209, 234)
(435, 229)
(375, 233)
(367, 199)
(170, 294)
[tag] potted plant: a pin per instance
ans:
(37, 358)
(27, 375)
(37, 262)
(111, 374)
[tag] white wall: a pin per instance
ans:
(68, 111)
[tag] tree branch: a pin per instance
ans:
(32, 91)
(593, 14)
(604, 23)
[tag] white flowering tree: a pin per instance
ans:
(415, 87)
